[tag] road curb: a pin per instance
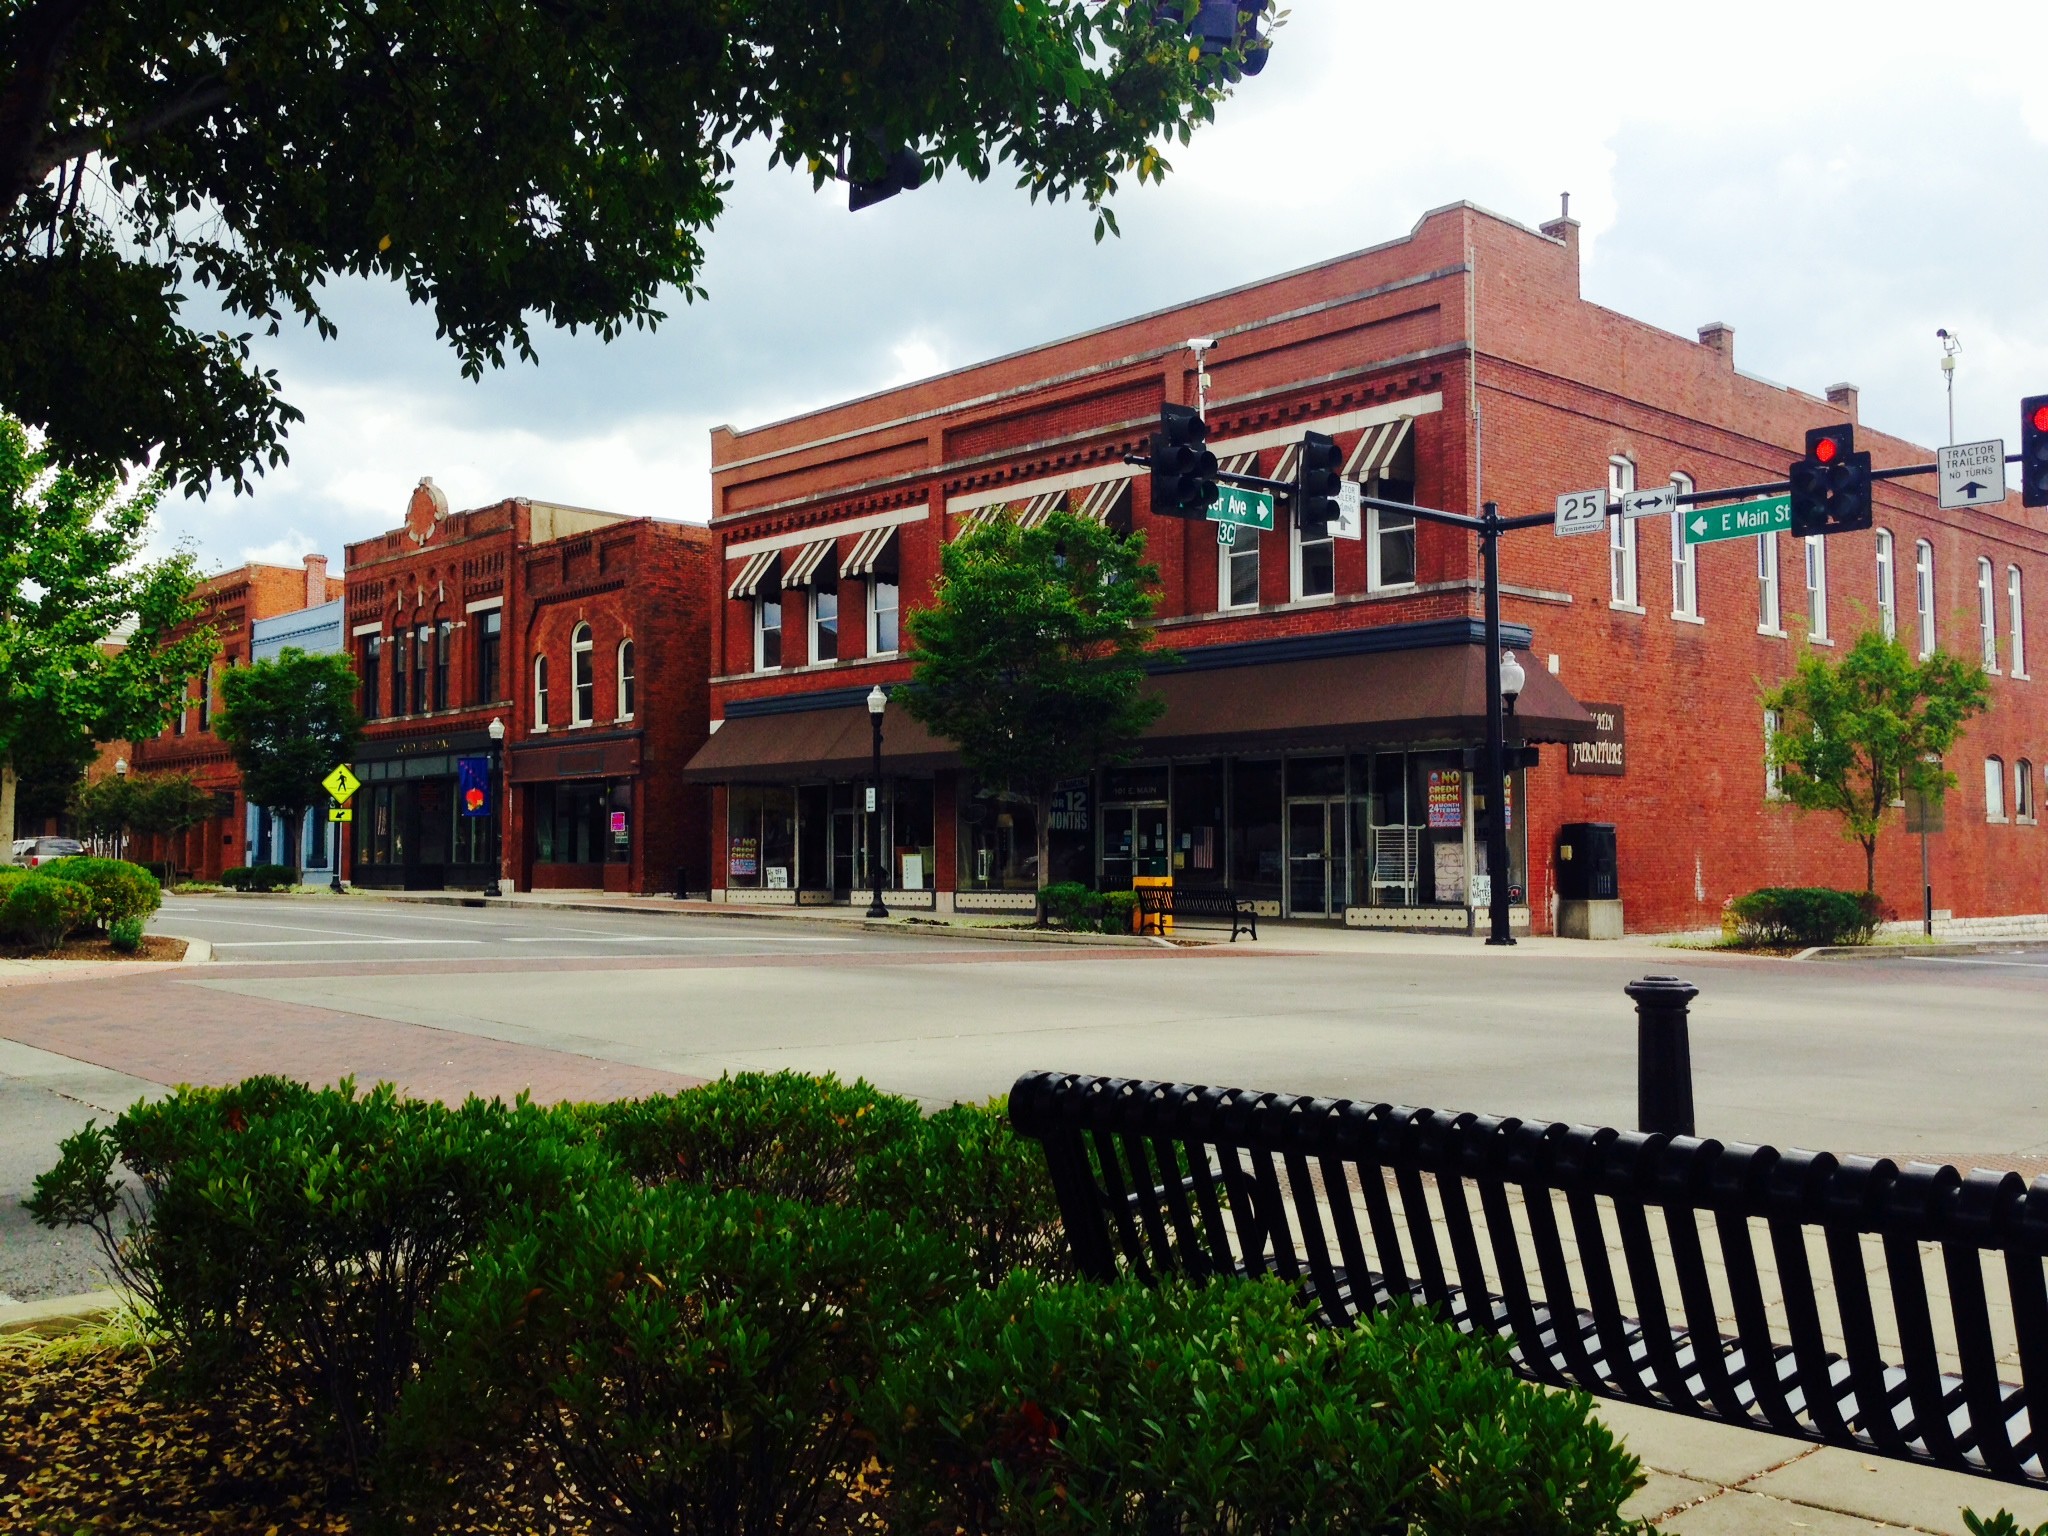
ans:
(197, 951)
(1911, 951)
(59, 1314)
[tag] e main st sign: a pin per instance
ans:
(1607, 753)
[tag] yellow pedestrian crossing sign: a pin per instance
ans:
(340, 813)
(341, 783)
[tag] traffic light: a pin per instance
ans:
(1831, 485)
(2034, 451)
(1220, 26)
(903, 171)
(1315, 484)
(1183, 468)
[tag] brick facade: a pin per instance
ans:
(1517, 390)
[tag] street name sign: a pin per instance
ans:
(341, 783)
(1350, 520)
(1972, 474)
(1738, 520)
(1581, 512)
(1243, 508)
(1660, 502)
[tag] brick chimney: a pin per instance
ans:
(1565, 229)
(1843, 395)
(1721, 338)
(316, 580)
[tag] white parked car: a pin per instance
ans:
(44, 850)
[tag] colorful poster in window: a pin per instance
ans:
(619, 828)
(743, 858)
(1446, 799)
(473, 785)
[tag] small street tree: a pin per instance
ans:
(156, 804)
(72, 577)
(1032, 658)
(1853, 735)
(288, 723)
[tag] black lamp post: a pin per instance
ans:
(1504, 679)
(501, 786)
(877, 702)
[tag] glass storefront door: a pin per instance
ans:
(1315, 858)
(1134, 842)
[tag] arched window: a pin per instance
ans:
(1621, 537)
(2019, 620)
(583, 703)
(625, 679)
(540, 693)
(1987, 615)
(2023, 791)
(1887, 609)
(1923, 593)
(1994, 789)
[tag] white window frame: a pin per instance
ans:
(1994, 789)
(582, 676)
(2023, 809)
(1987, 613)
(874, 613)
(1295, 545)
(764, 603)
(1769, 614)
(816, 596)
(625, 662)
(1923, 596)
(2015, 601)
(1246, 548)
(540, 694)
(1816, 553)
(1774, 774)
(1622, 587)
(1685, 565)
(1375, 563)
(1887, 588)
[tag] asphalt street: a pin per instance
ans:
(1935, 1056)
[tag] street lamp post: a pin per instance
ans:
(121, 837)
(877, 702)
(496, 731)
(1491, 525)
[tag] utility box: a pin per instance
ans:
(1588, 881)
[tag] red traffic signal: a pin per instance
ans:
(2034, 451)
(1826, 450)
(1831, 485)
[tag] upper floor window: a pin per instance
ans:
(1390, 536)
(583, 677)
(1237, 569)
(490, 635)
(1987, 614)
(1994, 789)
(1923, 593)
(768, 631)
(401, 647)
(444, 651)
(626, 680)
(1315, 558)
(540, 693)
(2023, 791)
(1767, 584)
(824, 624)
(422, 658)
(1685, 569)
(1817, 587)
(1774, 775)
(884, 599)
(178, 720)
(206, 698)
(371, 667)
(1621, 536)
(2019, 620)
(1887, 608)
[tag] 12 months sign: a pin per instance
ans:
(1607, 752)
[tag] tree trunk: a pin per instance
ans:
(7, 782)
(1043, 801)
(1870, 866)
(294, 818)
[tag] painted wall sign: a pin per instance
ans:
(1607, 753)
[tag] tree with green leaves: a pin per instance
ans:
(1856, 734)
(506, 161)
(155, 804)
(95, 641)
(1032, 658)
(288, 723)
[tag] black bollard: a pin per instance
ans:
(1663, 1054)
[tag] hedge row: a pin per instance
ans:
(260, 877)
(43, 907)
(720, 1312)
(1073, 905)
(1789, 916)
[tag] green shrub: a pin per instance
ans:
(259, 877)
(120, 890)
(1121, 1411)
(125, 935)
(1070, 904)
(1784, 916)
(2000, 1524)
(689, 1359)
(1119, 911)
(302, 1233)
(42, 912)
(782, 1134)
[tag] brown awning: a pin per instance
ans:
(1429, 694)
(816, 744)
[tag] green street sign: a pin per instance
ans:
(1738, 520)
(1246, 509)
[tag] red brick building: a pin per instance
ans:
(232, 603)
(534, 680)
(1318, 743)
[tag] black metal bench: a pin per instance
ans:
(1783, 1291)
(1161, 901)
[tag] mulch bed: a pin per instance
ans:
(155, 946)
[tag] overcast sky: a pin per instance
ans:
(1835, 182)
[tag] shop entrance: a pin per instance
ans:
(851, 870)
(1316, 865)
(1134, 842)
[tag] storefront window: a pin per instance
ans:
(998, 841)
(761, 837)
(583, 823)
(1255, 845)
(1071, 842)
(1198, 823)
(910, 833)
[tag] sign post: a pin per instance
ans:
(1925, 814)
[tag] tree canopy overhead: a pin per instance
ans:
(510, 162)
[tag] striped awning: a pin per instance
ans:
(1102, 498)
(968, 522)
(805, 566)
(1040, 507)
(1376, 450)
(1238, 463)
(1290, 462)
(758, 565)
(867, 551)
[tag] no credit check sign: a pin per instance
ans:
(1738, 520)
